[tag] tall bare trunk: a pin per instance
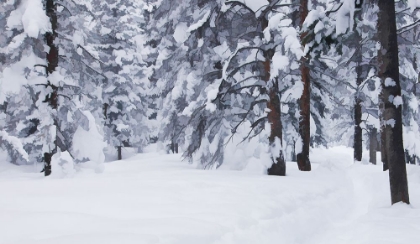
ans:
(391, 117)
(305, 100)
(358, 135)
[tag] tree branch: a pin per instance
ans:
(235, 70)
(234, 3)
(408, 27)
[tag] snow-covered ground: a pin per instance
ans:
(157, 199)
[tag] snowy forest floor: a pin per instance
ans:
(152, 198)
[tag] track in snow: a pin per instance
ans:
(153, 198)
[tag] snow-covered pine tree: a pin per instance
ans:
(254, 73)
(408, 37)
(183, 65)
(118, 50)
(22, 71)
(81, 83)
(52, 110)
(340, 45)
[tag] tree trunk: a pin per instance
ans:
(52, 64)
(391, 118)
(305, 100)
(119, 151)
(373, 141)
(274, 115)
(47, 163)
(383, 149)
(358, 134)
(274, 118)
(52, 56)
(174, 147)
(294, 159)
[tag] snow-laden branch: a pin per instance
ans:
(408, 27)
(233, 55)
(234, 3)
(14, 143)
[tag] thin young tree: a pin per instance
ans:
(358, 134)
(303, 161)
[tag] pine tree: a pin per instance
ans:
(23, 55)
(408, 33)
(123, 109)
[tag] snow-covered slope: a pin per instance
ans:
(152, 198)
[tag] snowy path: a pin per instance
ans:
(152, 198)
(371, 219)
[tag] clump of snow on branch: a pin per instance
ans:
(30, 15)
(345, 16)
(14, 143)
(389, 82)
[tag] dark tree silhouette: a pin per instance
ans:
(391, 117)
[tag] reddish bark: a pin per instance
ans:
(274, 115)
(274, 118)
(303, 161)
